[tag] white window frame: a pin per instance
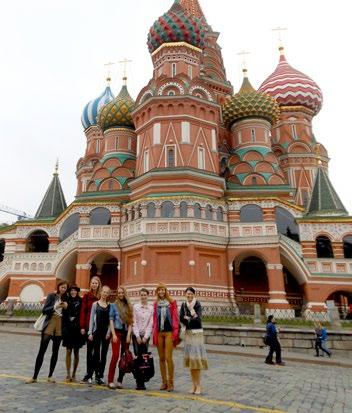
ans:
(167, 147)
(146, 161)
(214, 145)
(156, 133)
(185, 132)
(201, 158)
(117, 142)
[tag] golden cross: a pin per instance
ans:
(243, 55)
(124, 62)
(280, 31)
(108, 76)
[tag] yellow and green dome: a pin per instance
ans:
(250, 103)
(117, 113)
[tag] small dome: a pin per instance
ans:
(250, 103)
(176, 26)
(291, 87)
(117, 113)
(91, 110)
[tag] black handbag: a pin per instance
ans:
(144, 367)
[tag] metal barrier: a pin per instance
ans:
(20, 309)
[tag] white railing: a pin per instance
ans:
(173, 226)
(256, 229)
(329, 266)
(98, 232)
(292, 243)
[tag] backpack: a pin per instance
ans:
(144, 367)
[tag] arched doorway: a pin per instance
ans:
(343, 302)
(66, 270)
(38, 241)
(294, 292)
(251, 283)
(105, 266)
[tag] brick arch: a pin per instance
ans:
(30, 282)
(95, 254)
(238, 257)
(336, 289)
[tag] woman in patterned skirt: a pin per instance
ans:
(195, 356)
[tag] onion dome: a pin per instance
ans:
(176, 26)
(291, 87)
(91, 110)
(117, 113)
(250, 103)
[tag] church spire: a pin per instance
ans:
(324, 200)
(192, 7)
(54, 201)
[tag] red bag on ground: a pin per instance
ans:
(126, 362)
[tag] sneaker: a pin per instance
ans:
(85, 379)
(99, 381)
(31, 381)
(112, 386)
(89, 381)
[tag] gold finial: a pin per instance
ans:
(56, 167)
(244, 54)
(280, 30)
(124, 62)
(108, 75)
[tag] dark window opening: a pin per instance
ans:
(251, 213)
(100, 216)
(38, 241)
(324, 247)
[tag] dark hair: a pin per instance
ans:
(144, 290)
(270, 318)
(59, 285)
(191, 289)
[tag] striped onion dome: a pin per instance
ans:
(250, 103)
(291, 87)
(117, 113)
(176, 25)
(91, 110)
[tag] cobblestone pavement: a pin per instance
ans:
(232, 384)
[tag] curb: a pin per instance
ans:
(226, 352)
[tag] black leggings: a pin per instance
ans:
(275, 347)
(44, 342)
(100, 350)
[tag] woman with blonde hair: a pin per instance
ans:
(165, 334)
(121, 321)
(88, 300)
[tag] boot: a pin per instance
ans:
(170, 385)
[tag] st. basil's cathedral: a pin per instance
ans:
(191, 184)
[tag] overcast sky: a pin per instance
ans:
(52, 56)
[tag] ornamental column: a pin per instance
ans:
(277, 304)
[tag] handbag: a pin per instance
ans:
(39, 324)
(126, 362)
(144, 367)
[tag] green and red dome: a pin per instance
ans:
(176, 26)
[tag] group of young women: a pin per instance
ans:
(95, 321)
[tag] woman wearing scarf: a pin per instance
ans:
(195, 356)
(165, 334)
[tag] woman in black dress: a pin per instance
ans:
(71, 332)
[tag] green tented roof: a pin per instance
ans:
(53, 203)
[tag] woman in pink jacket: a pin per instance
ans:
(165, 334)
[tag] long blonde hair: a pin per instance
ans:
(167, 295)
(100, 286)
(124, 307)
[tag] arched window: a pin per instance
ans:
(139, 211)
(220, 214)
(324, 247)
(286, 223)
(2, 249)
(254, 180)
(151, 210)
(38, 241)
(171, 157)
(100, 216)
(133, 214)
(197, 211)
(167, 209)
(183, 209)
(347, 247)
(208, 212)
(251, 213)
(69, 226)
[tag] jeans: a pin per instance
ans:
(116, 354)
(321, 344)
(275, 347)
(165, 350)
